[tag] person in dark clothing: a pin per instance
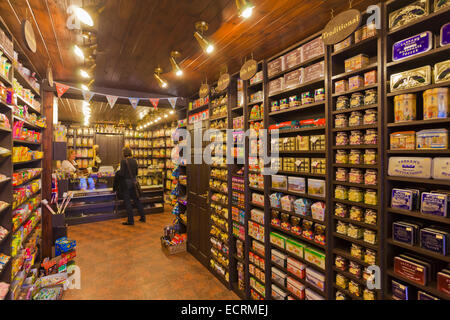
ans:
(126, 187)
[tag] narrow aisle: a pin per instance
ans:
(123, 263)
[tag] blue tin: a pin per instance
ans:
(445, 34)
(412, 46)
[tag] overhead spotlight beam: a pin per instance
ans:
(201, 27)
(175, 66)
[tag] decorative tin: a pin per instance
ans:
(445, 34)
(442, 71)
(434, 203)
(407, 14)
(400, 291)
(434, 240)
(411, 79)
(440, 4)
(412, 46)
(404, 232)
(410, 270)
(402, 199)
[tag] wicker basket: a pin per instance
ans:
(173, 249)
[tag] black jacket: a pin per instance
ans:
(123, 180)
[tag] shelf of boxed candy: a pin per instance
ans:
(417, 185)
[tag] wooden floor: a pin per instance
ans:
(127, 263)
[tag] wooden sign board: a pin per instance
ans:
(28, 35)
(50, 76)
(341, 27)
(204, 90)
(224, 82)
(249, 69)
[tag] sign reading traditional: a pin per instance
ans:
(224, 82)
(341, 27)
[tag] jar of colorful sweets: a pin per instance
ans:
(356, 119)
(355, 269)
(341, 210)
(341, 263)
(355, 195)
(356, 213)
(341, 174)
(342, 139)
(370, 97)
(370, 117)
(341, 157)
(341, 193)
(370, 156)
(355, 157)
(341, 121)
(370, 236)
(356, 251)
(356, 138)
(370, 216)
(342, 103)
(341, 228)
(357, 100)
(355, 176)
(370, 197)
(371, 136)
(370, 177)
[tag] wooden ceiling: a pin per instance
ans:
(135, 36)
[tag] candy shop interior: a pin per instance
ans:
(278, 157)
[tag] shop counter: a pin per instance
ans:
(102, 204)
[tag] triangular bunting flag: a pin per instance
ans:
(112, 100)
(134, 102)
(173, 102)
(155, 103)
(87, 96)
(61, 89)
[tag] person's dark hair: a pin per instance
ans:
(127, 152)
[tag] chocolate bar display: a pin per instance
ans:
(435, 204)
(445, 34)
(407, 14)
(405, 232)
(412, 46)
(411, 79)
(410, 270)
(399, 291)
(442, 71)
(443, 281)
(435, 240)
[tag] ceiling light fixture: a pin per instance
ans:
(175, 66)
(245, 8)
(165, 116)
(201, 27)
(84, 16)
(84, 87)
(162, 83)
(86, 73)
(78, 52)
(172, 112)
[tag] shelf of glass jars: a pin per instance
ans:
(361, 108)
(297, 130)
(303, 86)
(359, 89)
(299, 108)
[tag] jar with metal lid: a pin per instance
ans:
(341, 157)
(370, 236)
(356, 176)
(371, 136)
(370, 97)
(340, 263)
(354, 232)
(342, 227)
(355, 157)
(356, 251)
(370, 156)
(341, 121)
(370, 256)
(356, 119)
(342, 103)
(342, 174)
(355, 269)
(357, 100)
(370, 177)
(356, 138)
(370, 117)
(342, 139)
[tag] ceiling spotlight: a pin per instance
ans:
(176, 68)
(84, 16)
(165, 116)
(245, 8)
(86, 74)
(78, 51)
(201, 27)
(84, 87)
(162, 83)
(171, 112)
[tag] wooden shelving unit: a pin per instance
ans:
(17, 238)
(372, 47)
(393, 248)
